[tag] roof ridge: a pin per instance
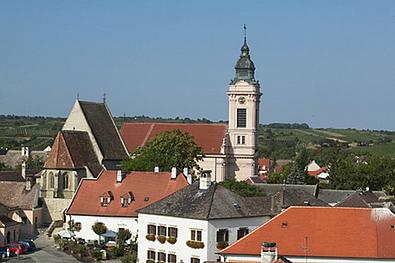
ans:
(147, 135)
(67, 149)
(176, 123)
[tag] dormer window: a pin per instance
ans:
(106, 198)
(127, 199)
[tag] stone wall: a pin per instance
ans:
(55, 208)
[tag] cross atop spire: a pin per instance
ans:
(245, 34)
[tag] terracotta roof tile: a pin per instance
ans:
(146, 187)
(208, 136)
(330, 232)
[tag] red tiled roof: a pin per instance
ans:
(330, 232)
(142, 185)
(207, 136)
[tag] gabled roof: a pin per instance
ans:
(146, 187)
(103, 128)
(297, 197)
(330, 232)
(359, 199)
(11, 176)
(217, 202)
(73, 150)
(6, 221)
(13, 194)
(208, 136)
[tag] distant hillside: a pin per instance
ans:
(276, 140)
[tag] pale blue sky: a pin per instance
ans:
(327, 63)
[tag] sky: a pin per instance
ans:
(325, 63)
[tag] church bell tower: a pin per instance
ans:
(244, 98)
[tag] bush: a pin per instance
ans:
(161, 239)
(80, 249)
(150, 237)
(56, 239)
(195, 244)
(172, 240)
(114, 252)
(97, 254)
(130, 257)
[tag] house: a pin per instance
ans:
(320, 234)
(72, 158)
(230, 150)
(195, 223)
(95, 119)
(330, 196)
(9, 228)
(210, 137)
(114, 197)
(366, 199)
(265, 167)
(88, 142)
(313, 169)
(13, 158)
(24, 197)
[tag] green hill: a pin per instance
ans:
(276, 140)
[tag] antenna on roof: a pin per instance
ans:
(104, 98)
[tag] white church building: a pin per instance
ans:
(229, 150)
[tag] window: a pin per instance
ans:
(241, 139)
(127, 199)
(77, 226)
(51, 180)
(196, 235)
(172, 232)
(242, 232)
(65, 181)
(106, 198)
(151, 255)
(171, 258)
(241, 118)
(222, 235)
(195, 260)
(151, 230)
(161, 230)
(161, 257)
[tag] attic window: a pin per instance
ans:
(127, 199)
(393, 226)
(146, 199)
(284, 224)
(106, 198)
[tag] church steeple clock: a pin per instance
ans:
(244, 98)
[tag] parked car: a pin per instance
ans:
(16, 248)
(3, 252)
(29, 245)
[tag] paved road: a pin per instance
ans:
(46, 252)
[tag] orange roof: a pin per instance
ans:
(330, 232)
(264, 163)
(146, 188)
(208, 136)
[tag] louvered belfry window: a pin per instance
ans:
(241, 118)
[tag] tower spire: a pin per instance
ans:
(245, 34)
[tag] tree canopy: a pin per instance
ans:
(166, 150)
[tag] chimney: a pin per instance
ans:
(28, 185)
(173, 173)
(187, 175)
(316, 190)
(156, 169)
(205, 179)
(120, 176)
(268, 252)
(23, 170)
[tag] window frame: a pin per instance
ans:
(241, 118)
(223, 235)
(151, 227)
(161, 231)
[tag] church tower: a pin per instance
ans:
(244, 98)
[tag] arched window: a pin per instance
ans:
(65, 181)
(51, 180)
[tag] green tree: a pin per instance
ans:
(242, 188)
(99, 229)
(123, 235)
(166, 150)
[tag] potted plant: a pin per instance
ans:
(172, 240)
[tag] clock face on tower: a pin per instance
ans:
(241, 100)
